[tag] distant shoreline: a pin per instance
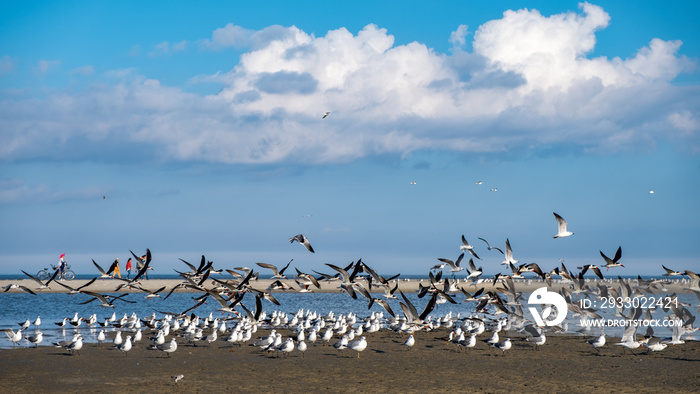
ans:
(405, 285)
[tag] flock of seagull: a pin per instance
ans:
(498, 306)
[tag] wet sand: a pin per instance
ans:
(563, 364)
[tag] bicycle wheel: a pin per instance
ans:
(69, 275)
(42, 275)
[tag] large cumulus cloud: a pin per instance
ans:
(528, 82)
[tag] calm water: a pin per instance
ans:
(17, 307)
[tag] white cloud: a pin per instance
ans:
(458, 38)
(228, 36)
(528, 83)
(166, 48)
(43, 66)
(85, 70)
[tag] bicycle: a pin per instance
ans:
(45, 274)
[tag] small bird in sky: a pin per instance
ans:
(413, 182)
(651, 191)
(495, 189)
(302, 240)
(325, 115)
(561, 227)
(479, 183)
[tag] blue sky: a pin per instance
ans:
(201, 126)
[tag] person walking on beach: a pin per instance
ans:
(116, 268)
(61, 266)
(128, 268)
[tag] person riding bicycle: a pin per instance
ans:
(62, 266)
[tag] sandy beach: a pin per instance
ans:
(563, 364)
(407, 286)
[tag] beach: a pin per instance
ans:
(563, 364)
(407, 286)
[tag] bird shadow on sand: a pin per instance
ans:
(378, 351)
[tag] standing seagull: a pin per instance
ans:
(126, 346)
(302, 240)
(358, 345)
(561, 226)
(597, 343)
(167, 347)
(410, 342)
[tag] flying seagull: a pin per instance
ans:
(302, 240)
(614, 262)
(561, 226)
(489, 247)
(466, 246)
(277, 273)
(325, 115)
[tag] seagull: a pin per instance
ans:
(509, 255)
(167, 347)
(454, 265)
(36, 338)
(76, 345)
(465, 246)
(325, 115)
(25, 325)
(630, 343)
(126, 346)
(104, 274)
(470, 342)
(503, 346)
(655, 345)
(358, 345)
(410, 342)
(277, 273)
(489, 247)
(670, 272)
(495, 189)
(21, 287)
(474, 273)
(614, 262)
(15, 337)
(301, 347)
(536, 336)
(177, 378)
(302, 240)
(286, 347)
(597, 343)
(479, 182)
(561, 227)
(593, 268)
(651, 191)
